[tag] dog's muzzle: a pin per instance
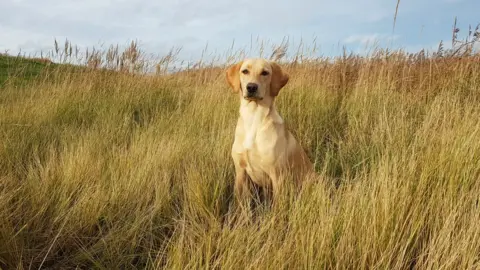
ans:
(252, 92)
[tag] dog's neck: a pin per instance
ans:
(253, 114)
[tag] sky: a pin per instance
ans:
(30, 26)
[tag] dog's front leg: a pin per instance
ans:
(241, 185)
(277, 183)
(241, 188)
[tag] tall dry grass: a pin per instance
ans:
(102, 169)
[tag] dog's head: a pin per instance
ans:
(256, 78)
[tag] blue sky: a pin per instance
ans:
(32, 25)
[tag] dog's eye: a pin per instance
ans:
(245, 71)
(264, 73)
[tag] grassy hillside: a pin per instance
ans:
(114, 170)
(12, 67)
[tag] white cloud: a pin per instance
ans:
(430, 48)
(32, 24)
(362, 39)
(370, 39)
(171, 21)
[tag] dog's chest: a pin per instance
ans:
(258, 126)
(257, 138)
(252, 117)
(257, 165)
(260, 157)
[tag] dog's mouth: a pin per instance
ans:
(252, 98)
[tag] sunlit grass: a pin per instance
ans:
(114, 170)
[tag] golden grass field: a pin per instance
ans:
(114, 170)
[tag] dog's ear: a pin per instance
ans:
(233, 76)
(279, 79)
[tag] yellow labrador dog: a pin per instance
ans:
(263, 149)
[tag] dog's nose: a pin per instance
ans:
(252, 87)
